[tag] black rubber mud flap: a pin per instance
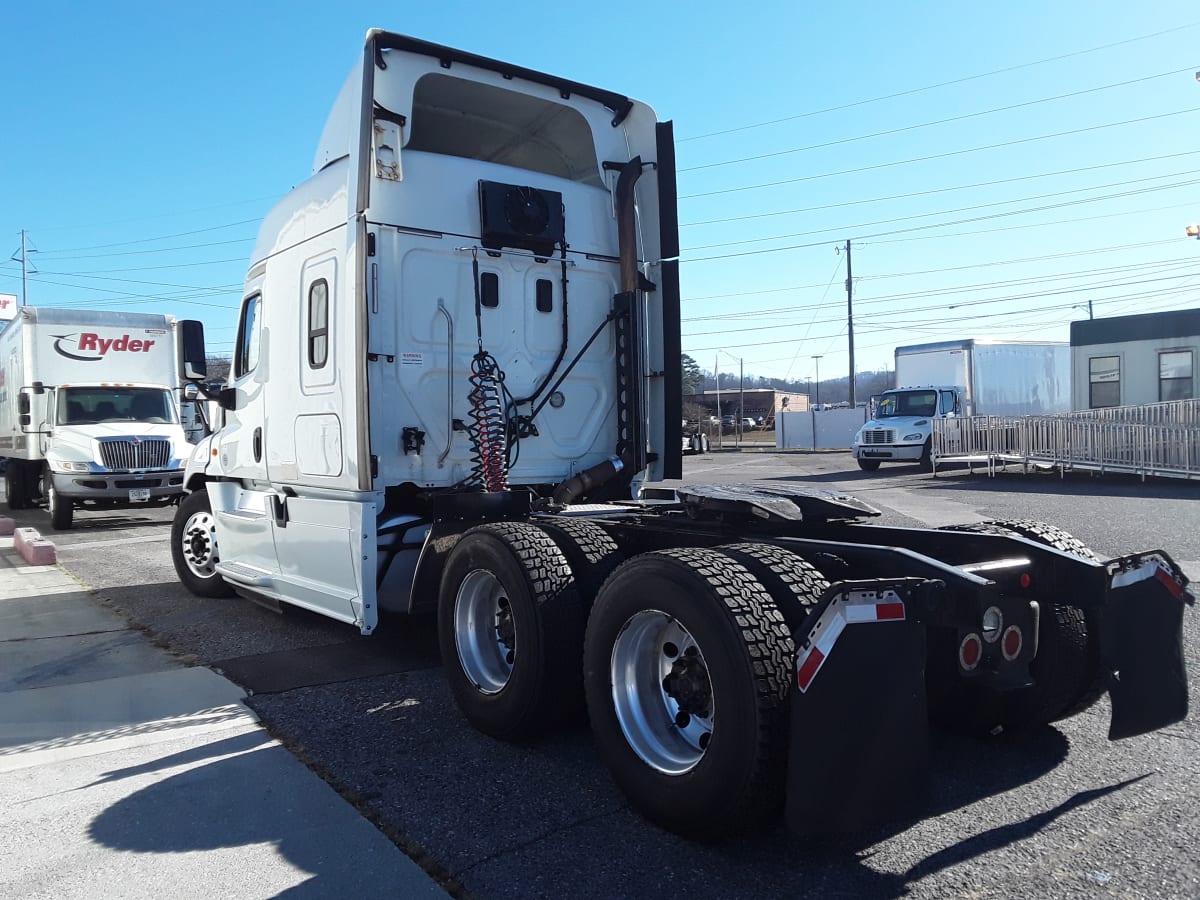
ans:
(1142, 649)
(859, 747)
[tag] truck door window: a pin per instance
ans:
(318, 324)
(948, 403)
(246, 355)
(1175, 375)
(1104, 381)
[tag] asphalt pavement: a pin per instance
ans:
(124, 772)
(1060, 813)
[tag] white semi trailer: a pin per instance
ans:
(90, 408)
(961, 378)
(456, 377)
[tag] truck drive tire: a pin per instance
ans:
(194, 547)
(591, 553)
(510, 629)
(793, 584)
(868, 465)
(60, 508)
(926, 460)
(1067, 671)
(687, 671)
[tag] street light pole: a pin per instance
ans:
(817, 394)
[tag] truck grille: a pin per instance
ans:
(880, 436)
(147, 454)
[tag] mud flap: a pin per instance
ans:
(1142, 648)
(859, 748)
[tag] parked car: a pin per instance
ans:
(729, 421)
(748, 423)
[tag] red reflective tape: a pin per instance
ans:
(808, 668)
(889, 611)
(1173, 586)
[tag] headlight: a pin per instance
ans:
(64, 465)
(915, 436)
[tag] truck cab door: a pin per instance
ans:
(950, 405)
(241, 441)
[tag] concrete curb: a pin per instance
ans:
(34, 549)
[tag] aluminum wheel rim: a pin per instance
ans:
(199, 544)
(484, 632)
(668, 728)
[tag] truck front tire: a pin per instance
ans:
(60, 508)
(194, 547)
(687, 671)
(510, 629)
(926, 461)
(869, 465)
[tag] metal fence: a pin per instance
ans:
(1158, 439)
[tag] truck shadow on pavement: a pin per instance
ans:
(243, 791)
(524, 820)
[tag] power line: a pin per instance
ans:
(980, 265)
(961, 187)
(930, 87)
(895, 321)
(958, 321)
(885, 237)
(159, 250)
(161, 237)
(947, 212)
(919, 125)
(957, 289)
(172, 214)
(227, 287)
(950, 153)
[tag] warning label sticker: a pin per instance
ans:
(412, 359)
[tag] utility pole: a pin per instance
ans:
(720, 426)
(850, 319)
(741, 398)
(23, 259)
(817, 394)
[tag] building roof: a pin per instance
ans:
(1144, 327)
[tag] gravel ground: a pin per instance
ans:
(1062, 813)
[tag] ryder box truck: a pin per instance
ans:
(90, 408)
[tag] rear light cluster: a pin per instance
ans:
(970, 649)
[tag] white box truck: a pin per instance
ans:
(456, 371)
(974, 377)
(90, 408)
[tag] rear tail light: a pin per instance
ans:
(1012, 642)
(970, 652)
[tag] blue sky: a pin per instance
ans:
(141, 143)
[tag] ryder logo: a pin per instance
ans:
(90, 347)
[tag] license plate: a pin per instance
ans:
(139, 495)
(886, 454)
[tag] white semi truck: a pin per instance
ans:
(456, 378)
(961, 378)
(90, 408)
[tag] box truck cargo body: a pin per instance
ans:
(962, 378)
(90, 409)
